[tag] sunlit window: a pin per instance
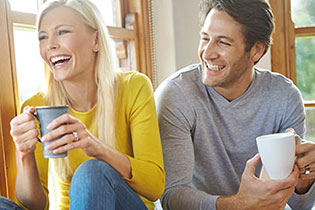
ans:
(303, 16)
(27, 6)
(29, 65)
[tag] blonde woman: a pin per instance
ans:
(111, 132)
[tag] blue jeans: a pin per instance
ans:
(96, 185)
(6, 204)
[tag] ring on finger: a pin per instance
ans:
(75, 136)
(307, 169)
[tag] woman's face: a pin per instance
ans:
(67, 44)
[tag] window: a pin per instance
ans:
(291, 53)
(129, 25)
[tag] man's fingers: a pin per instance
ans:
(252, 163)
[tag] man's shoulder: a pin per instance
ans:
(276, 84)
(184, 78)
(190, 72)
(273, 79)
(181, 85)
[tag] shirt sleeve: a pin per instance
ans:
(148, 176)
(176, 118)
(42, 163)
(294, 116)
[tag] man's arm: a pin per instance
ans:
(176, 121)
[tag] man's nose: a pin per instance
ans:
(210, 51)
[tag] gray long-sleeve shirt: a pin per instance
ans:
(207, 140)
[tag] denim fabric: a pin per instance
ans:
(6, 204)
(96, 185)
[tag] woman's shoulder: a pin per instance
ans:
(133, 79)
(36, 100)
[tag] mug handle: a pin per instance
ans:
(36, 116)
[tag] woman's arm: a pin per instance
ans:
(28, 188)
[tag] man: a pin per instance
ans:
(211, 113)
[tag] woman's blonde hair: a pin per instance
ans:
(105, 77)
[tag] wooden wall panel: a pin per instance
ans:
(8, 102)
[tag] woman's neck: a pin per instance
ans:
(82, 95)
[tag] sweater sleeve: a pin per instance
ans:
(176, 120)
(148, 176)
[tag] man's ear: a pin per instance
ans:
(257, 51)
(96, 46)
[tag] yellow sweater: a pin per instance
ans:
(137, 136)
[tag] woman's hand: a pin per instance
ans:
(74, 135)
(24, 131)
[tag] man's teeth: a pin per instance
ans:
(58, 58)
(215, 67)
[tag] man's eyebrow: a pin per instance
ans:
(202, 33)
(226, 37)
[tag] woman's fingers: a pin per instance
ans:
(63, 119)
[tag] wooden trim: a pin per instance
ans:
(121, 33)
(114, 32)
(3, 172)
(133, 45)
(305, 31)
(283, 58)
(9, 95)
(309, 103)
(23, 18)
(145, 36)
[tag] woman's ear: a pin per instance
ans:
(257, 51)
(96, 45)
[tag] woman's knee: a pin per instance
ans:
(94, 172)
(6, 204)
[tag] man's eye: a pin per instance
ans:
(40, 38)
(204, 39)
(225, 43)
(61, 32)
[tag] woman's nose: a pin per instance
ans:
(52, 43)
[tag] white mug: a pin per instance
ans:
(277, 152)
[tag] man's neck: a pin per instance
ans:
(237, 88)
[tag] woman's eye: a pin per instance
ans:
(61, 32)
(40, 38)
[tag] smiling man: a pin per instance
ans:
(211, 113)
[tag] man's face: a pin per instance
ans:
(222, 52)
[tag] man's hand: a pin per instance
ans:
(255, 193)
(305, 152)
(306, 163)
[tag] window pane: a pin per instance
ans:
(29, 65)
(110, 11)
(303, 12)
(305, 62)
(28, 6)
(310, 124)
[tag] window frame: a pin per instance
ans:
(283, 52)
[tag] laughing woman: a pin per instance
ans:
(115, 157)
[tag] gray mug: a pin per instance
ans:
(46, 114)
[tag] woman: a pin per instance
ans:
(111, 132)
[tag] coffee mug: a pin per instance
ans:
(46, 114)
(277, 152)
